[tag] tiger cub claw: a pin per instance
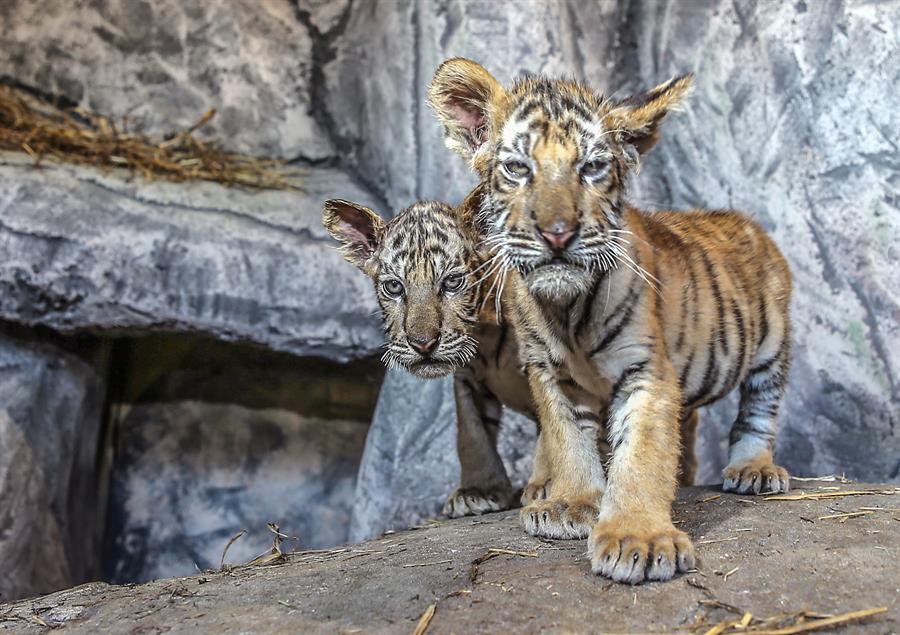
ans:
(756, 477)
(474, 501)
(632, 552)
(558, 518)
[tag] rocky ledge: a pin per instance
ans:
(84, 250)
(831, 553)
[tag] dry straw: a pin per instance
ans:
(75, 135)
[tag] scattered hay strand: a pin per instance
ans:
(797, 623)
(425, 620)
(492, 553)
(508, 552)
(274, 554)
(271, 556)
(233, 540)
(820, 495)
(846, 515)
(714, 540)
(426, 564)
(729, 573)
(831, 477)
(75, 135)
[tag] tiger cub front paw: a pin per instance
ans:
(473, 501)
(560, 518)
(634, 549)
(756, 476)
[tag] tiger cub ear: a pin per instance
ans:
(637, 118)
(461, 93)
(357, 228)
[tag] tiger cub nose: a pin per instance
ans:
(559, 235)
(423, 344)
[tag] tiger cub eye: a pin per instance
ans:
(392, 288)
(453, 282)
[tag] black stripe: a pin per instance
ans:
(734, 372)
(570, 104)
(627, 313)
(764, 326)
(686, 370)
(742, 336)
(717, 298)
(527, 108)
(587, 309)
(710, 375)
(627, 374)
(766, 365)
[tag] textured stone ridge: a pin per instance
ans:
(83, 250)
(770, 551)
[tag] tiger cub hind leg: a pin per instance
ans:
(484, 484)
(751, 467)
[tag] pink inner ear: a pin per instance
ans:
(470, 118)
(357, 230)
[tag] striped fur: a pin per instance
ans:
(656, 314)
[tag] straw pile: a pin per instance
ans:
(74, 135)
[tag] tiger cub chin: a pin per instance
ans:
(442, 312)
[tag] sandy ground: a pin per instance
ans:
(765, 557)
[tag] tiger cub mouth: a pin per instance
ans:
(430, 368)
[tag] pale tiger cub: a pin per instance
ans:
(439, 310)
(655, 314)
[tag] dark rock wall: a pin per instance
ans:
(50, 424)
(192, 474)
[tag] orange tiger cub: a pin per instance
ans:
(653, 313)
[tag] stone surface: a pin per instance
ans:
(50, 424)
(85, 250)
(190, 475)
(788, 562)
(163, 64)
(410, 465)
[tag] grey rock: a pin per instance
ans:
(163, 64)
(410, 466)
(85, 250)
(190, 475)
(50, 420)
(793, 121)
